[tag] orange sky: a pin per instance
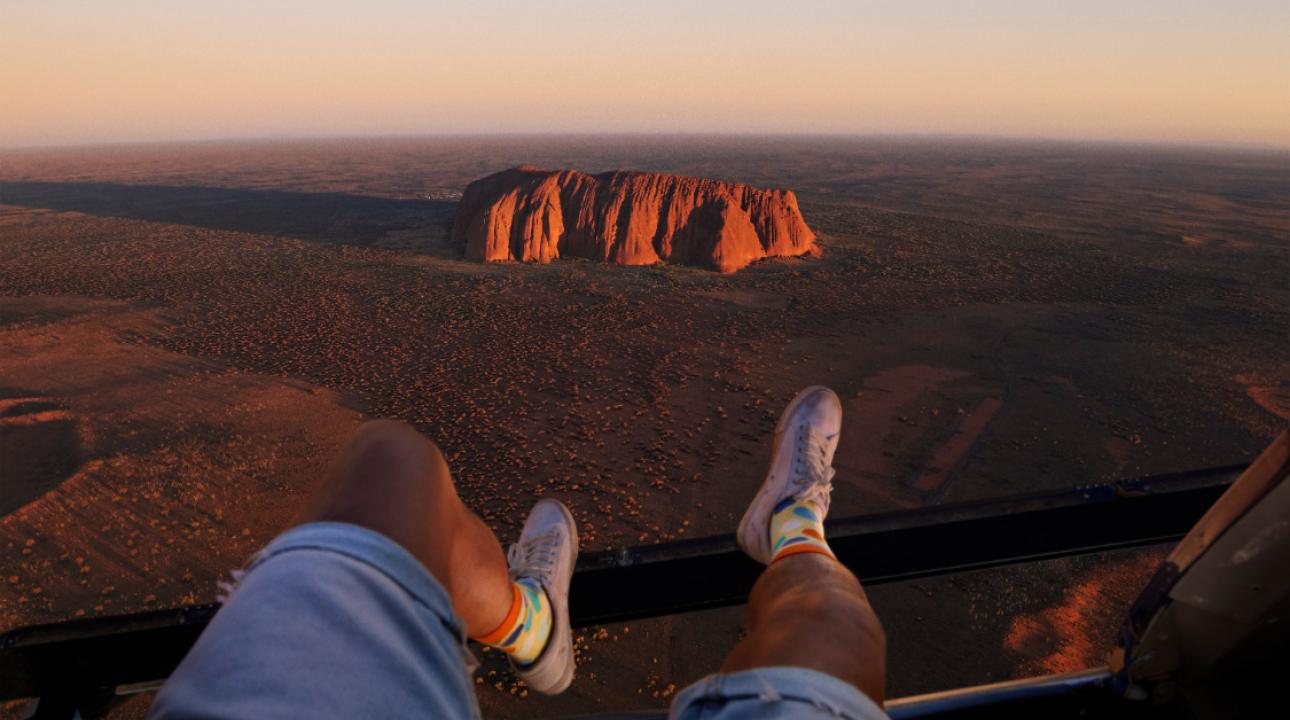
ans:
(74, 72)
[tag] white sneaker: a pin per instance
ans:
(546, 550)
(800, 465)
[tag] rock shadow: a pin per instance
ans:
(39, 448)
(337, 218)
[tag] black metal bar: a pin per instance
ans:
(712, 572)
(76, 657)
(80, 657)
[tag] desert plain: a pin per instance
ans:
(188, 333)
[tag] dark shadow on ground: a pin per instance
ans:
(39, 447)
(320, 217)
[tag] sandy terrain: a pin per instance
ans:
(188, 332)
(134, 474)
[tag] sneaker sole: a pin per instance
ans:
(563, 633)
(759, 510)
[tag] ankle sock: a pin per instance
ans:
(524, 632)
(797, 526)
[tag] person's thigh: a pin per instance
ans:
(772, 693)
(329, 620)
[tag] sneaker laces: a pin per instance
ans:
(535, 557)
(812, 476)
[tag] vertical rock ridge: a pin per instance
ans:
(629, 218)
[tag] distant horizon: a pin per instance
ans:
(1204, 72)
(1227, 145)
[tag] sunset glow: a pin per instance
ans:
(76, 72)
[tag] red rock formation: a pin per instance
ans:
(628, 218)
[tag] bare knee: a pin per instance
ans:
(388, 476)
(388, 452)
(390, 442)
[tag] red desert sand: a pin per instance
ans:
(190, 332)
(627, 218)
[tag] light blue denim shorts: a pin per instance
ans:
(334, 620)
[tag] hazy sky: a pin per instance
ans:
(1189, 70)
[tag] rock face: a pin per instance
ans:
(629, 218)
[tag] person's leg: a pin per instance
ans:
(807, 610)
(394, 480)
(362, 609)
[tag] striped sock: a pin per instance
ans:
(797, 526)
(524, 632)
